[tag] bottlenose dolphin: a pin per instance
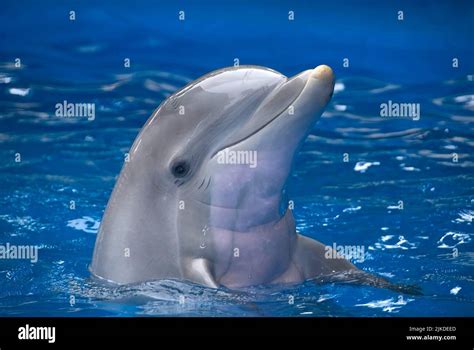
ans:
(201, 197)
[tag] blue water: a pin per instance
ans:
(428, 243)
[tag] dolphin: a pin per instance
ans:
(201, 197)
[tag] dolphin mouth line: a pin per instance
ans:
(277, 116)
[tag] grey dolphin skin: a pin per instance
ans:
(201, 197)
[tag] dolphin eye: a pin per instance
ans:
(180, 169)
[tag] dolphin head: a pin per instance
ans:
(238, 157)
(228, 140)
(214, 155)
(249, 170)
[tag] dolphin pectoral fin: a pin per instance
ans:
(366, 278)
(311, 259)
(410, 289)
(321, 266)
(199, 270)
(361, 277)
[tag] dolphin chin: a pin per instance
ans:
(201, 197)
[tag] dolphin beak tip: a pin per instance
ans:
(322, 72)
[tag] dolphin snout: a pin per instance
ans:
(318, 89)
(322, 72)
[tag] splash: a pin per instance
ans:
(388, 305)
(86, 224)
(453, 239)
(363, 166)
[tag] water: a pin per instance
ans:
(428, 243)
